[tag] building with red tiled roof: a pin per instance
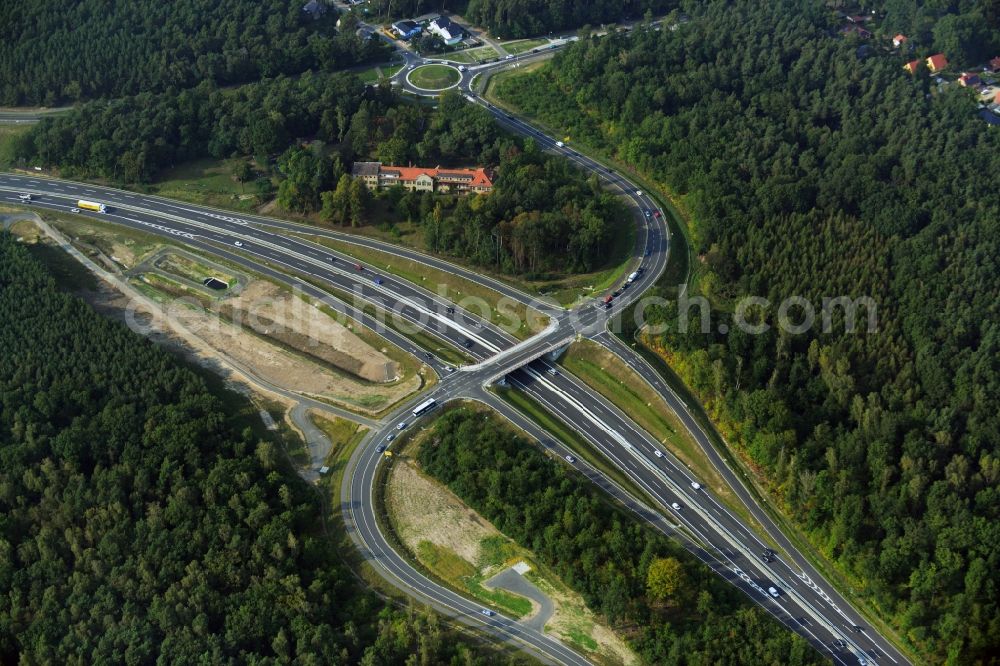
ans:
(937, 62)
(422, 179)
(899, 40)
(995, 64)
(912, 66)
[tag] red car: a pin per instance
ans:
(656, 213)
(359, 267)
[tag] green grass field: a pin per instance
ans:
(434, 77)
(522, 45)
(208, 182)
(471, 56)
(9, 134)
(377, 73)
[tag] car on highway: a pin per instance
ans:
(840, 644)
(509, 57)
(638, 193)
(658, 453)
(74, 210)
(461, 68)
(359, 267)
(391, 437)
(381, 448)
(401, 425)
(450, 369)
(647, 252)
(237, 243)
(656, 214)
(450, 310)
(648, 214)
(468, 343)
(487, 612)
(676, 506)
(330, 259)
(429, 355)
(553, 372)
(378, 280)
(570, 459)
(695, 485)
(560, 144)
(773, 591)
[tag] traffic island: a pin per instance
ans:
(434, 78)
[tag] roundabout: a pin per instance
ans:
(434, 78)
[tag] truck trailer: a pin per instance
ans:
(91, 205)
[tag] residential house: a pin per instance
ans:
(856, 30)
(406, 29)
(937, 63)
(912, 66)
(375, 176)
(970, 80)
(365, 33)
(899, 40)
(315, 9)
(449, 31)
(995, 64)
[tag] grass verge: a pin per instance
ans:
(522, 45)
(449, 286)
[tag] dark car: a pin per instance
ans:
(468, 343)
(450, 310)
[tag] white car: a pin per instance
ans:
(509, 57)
(638, 193)
(676, 506)
(74, 210)
(487, 612)
(401, 426)
(238, 244)
(774, 592)
(696, 485)
(658, 453)
(560, 144)
(570, 459)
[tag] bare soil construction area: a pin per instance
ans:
(292, 322)
(287, 342)
(265, 331)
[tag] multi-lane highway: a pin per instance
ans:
(805, 602)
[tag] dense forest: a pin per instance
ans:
(673, 608)
(807, 171)
(527, 18)
(543, 216)
(967, 31)
(140, 522)
(59, 52)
